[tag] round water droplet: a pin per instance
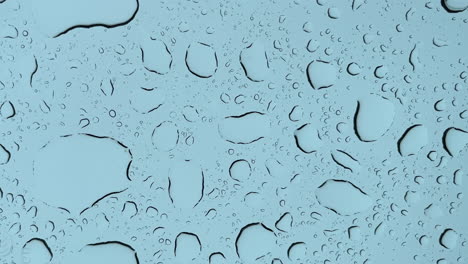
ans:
(201, 60)
(380, 71)
(353, 69)
(240, 170)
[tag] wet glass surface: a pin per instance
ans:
(302, 131)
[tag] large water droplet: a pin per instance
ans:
(254, 61)
(201, 60)
(374, 116)
(412, 140)
(156, 56)
(186, 184)
(57, 17)
(342, 197)
(254, 241)
(187, 247)
(74, 171)
(321, 74)
(244, 129)
(455, 140)
(307, 138)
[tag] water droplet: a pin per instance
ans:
(374, 115)
(201, 60)
(68, 165)
(321, 74)
(449, 239)
(254, 61)
(342, 197)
